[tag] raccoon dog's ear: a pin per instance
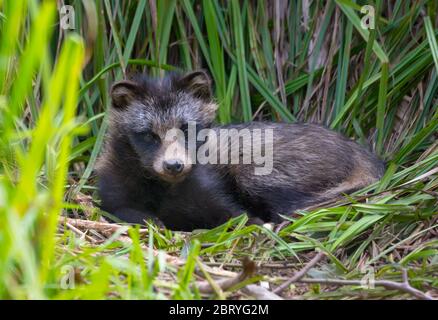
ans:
(123, 93)
(197, 83)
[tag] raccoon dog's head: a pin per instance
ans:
(152, 114)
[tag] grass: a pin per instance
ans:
(285, 61)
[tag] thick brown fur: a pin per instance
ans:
(310, 163)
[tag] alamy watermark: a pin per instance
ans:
(223, 146)
(67, 280)
(67, 18)
(368, 20)
(368, 280)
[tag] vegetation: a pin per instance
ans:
(282, 60)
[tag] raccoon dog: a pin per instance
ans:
(144, 175)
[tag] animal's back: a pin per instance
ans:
(311, 164)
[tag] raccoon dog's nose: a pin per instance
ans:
(173, 166)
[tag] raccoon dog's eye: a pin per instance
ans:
(149, 136)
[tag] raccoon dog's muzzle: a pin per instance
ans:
(172, 161)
